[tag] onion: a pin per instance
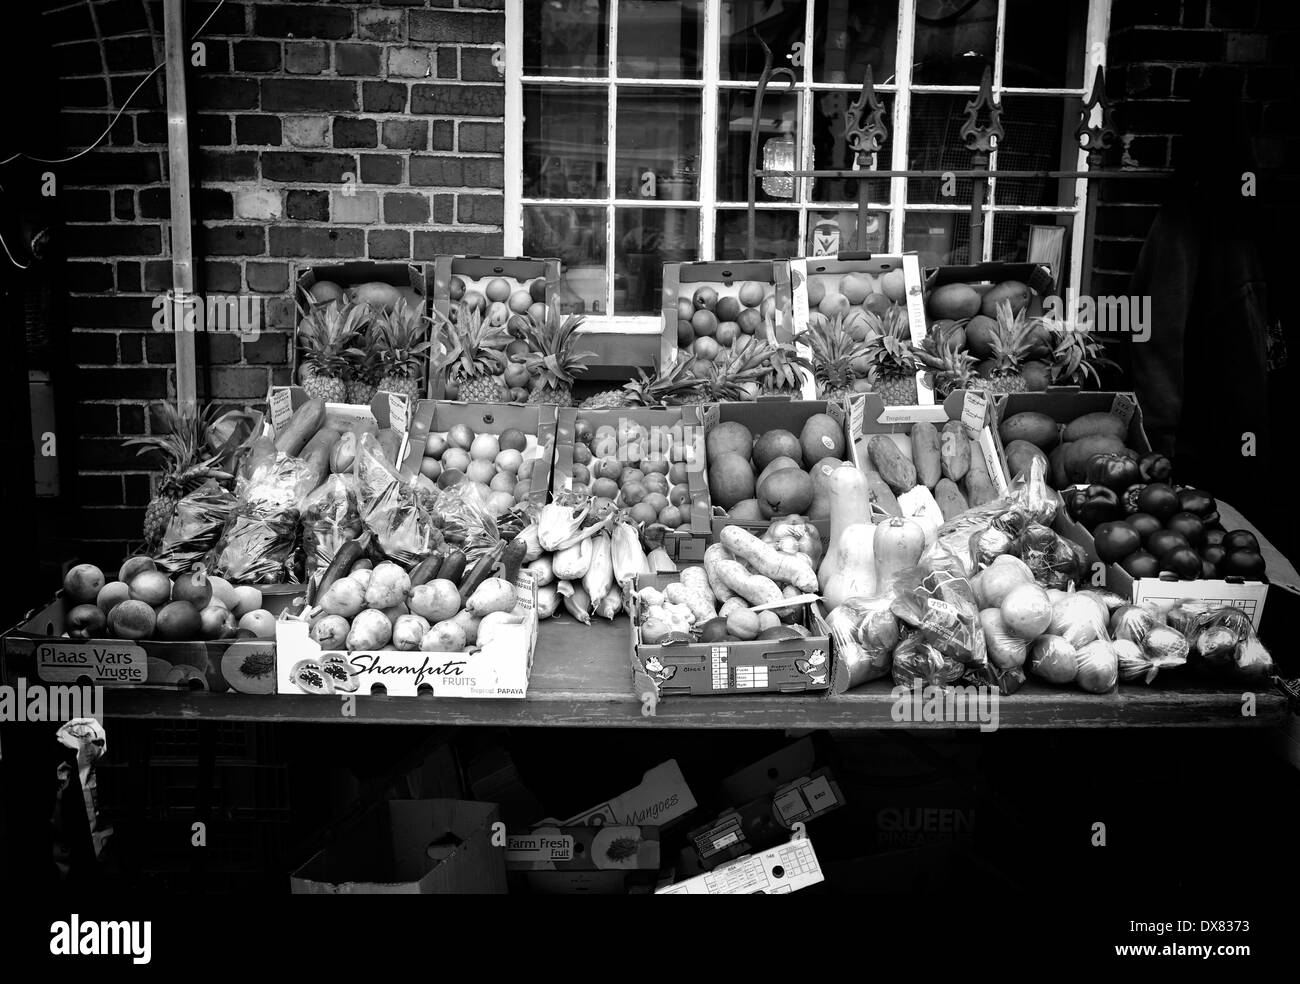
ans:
(1132, 623)
(1075, 619)
(1027, 611)
(1054, 660)
(995, 582)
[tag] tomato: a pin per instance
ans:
(1115, 541)
(1145, 524)
(1158, 499)
(1189, 525)
(1183, 561)
(1197, 501)
(1248, 564)
(1213, 554)
(1208, 571)
(1240, 540)
(1212, 538)
(1161, 542)
(1140, 564)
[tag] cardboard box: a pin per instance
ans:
(683, 546)
(713, 669)
(764, 777)
(768, 820)
(762, 416)
(411, 847)
(601, 859)
(830, 269)
(683, 279)
(501, 670)
(36, 651)
(1038, 277)
(537, 422)
(659, 799)
(777, 871)
(384, 410)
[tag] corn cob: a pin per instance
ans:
(599, 577)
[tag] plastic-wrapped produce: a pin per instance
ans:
(1133, 622)
(1098, 667)
(915, 659)
(259, 543)
(943, 609)
(865, 633)
(1224, 640)
(194, 527)
(330, 518)
(1078, 619)
(1054, 660)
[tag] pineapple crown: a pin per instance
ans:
(181, 444)
(670, 385)
(399, 339)
(731, 378)
(550, 346)
(1076, 352)
(951, 366)
(1010, 340)
(471, 345)
(786, 367)
(328, 332)
(834, 350)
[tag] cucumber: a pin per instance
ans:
(302, 427)
(427, 569)
(478, 573)
(453, 567)
(512, 558)
(346, 555)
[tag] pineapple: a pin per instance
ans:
(950, 366)
(363, 373)
(473, 356)
(737, 377)
(325, 335)
(1076, 353)
(402, 348)
(184, 466)
(834, 351)
(669, 386)
(891, 360)
(551, 356)
(1011, 340)
(785, 373)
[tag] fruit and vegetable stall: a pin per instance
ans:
(829, 490)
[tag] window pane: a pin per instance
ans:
(577, 237)
(658, 143)
(779, 22)
(954, 41)
(831, 151)
(658, 40)
(776, 234)
(565, 137)
(777, 142)
(566, 37)
(831, 232)
(644, 240)
(939, 237)
(1035, 128)
(1044, 45)
(936, 144)
(849, 35)
(1012, 234)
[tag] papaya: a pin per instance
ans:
(925, 453)
(899, 473)
(302, 427)
(881, 494)
(954, 451)
(979, 485)
(1020, 454)
(950, 499)
(1099, 424)
(1038, 429)
(1056, 459)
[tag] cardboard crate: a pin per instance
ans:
(683, 279)
(536, 421)
(765, 415)
(777, 871)
(712, 669)
(501, 670)
(384, 410)
(411, 279)
(686, 546)
(411, 847)
(1063, 404)
(601, 859)
(36, 651)
(1038, 277)
(830, 269)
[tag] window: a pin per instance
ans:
(635, 118)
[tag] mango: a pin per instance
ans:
(955, 301)
(1012, 291)
(1095, 425)
(1038, 429)
(1020, 454)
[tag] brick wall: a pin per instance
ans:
(293, 99)
(1159, 50)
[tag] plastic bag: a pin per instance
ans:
(865, 633)
(1054, 560)
(374, 473)
(1098, 667)
(1133, 622)
(195, 527)
(1224, 641)
(1079, 619)
(402, 527)
(942, 609)
(260, 541)
(330, 517)
(979, 535)
(917, 663)
(274, 486)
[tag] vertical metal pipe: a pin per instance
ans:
(178, 171)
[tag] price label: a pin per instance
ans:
(974, 412)
(281, 408)
(799, 294)
(1123, 407)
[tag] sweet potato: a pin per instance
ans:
(954, 451)
(714, 553)
(765, 559)
(925, 453)
(899, 473)
(754, 588)
(699, 602)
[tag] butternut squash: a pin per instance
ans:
(856, 577)
(898, 544)
(850, 505)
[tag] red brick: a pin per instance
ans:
(109, 311)
(313, 206)
(216, 55)
(458, 172)
(241, 383)
(94, 348)
(157, 275)
(301, 20)
(84, 58)
(101, 489)
(132, 418)
(444, 209)
(270, 347)
(234, 240)
(448, 62)
(213, 203)
(91, 93)
(225, 92)
(431, 243)
(113, 167)
(100, 419)
(1150, 81)
(379, 24)
(226, 19)
(136, 490)
(128, 276)
(443, 26)
(267, 278)
(114, 240)
(117, 382)
(306, 58)
(383, 97)
(316, 95)
(83, 129)
(381, 169)
(458, 100)
(444, 135)
(89, 277)
(388, 244)
(289, 166)
(218, 348)
(221, 277)
(406, 134)
(481, 138)
(405, 208)
(70, 23)
(357, 59)
(86, 205)
(350, 132)
(476, 65)
(160, 348)
(130, 348)
(124, 205)
(482, 4)
(217, 165)
(258, 130)
(316, 241)
(1150, 44)
(146, 97)
(257, 56)
(212, 131)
